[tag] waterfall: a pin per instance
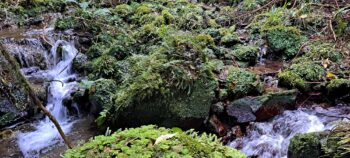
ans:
(45, 135)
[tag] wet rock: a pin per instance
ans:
(218, 107)
(6, 134)
(219, 127)
(80, 63)
(273, 104)
(261, 108)
(180, 110)
(15, 102)
(241, 111)
(27, 52)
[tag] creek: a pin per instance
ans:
(271, 139)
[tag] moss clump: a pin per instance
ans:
(308, 71)
(297, 75)
(123, 10)
(290, 79)
(230, 39)
(143, 9)
(149, 141)
(322, 51)
(305, 145)
(247, 53)
(241, 82)
(100, 92)
(285, 40)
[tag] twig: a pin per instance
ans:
(331, 27)
(336, 2)
(256, 10)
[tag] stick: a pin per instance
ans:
(331, 27)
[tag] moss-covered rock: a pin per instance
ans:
(262, 107)
(305, 145)
(150, 141)
(247, 53)
(298, 75)
(338, 87)
(284, 41)
(240, 82)
(334, 143)
(15, 102)
(182, 109)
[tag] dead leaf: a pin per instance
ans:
(163, 137)
(331, 75)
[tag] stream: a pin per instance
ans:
(271, 139)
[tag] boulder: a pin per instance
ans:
(15, 102)
(183, 109)
(261, 108)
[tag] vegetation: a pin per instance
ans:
(150, 141)
(168, 62)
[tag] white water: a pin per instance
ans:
(271, 139)
(33, 143)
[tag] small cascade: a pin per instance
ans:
(29, 52)
(271, 139)
(34, 143)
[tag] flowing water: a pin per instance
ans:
(271, 139)
(63, 80)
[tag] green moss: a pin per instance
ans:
(149, 141)
(284, 40)
(100, 92)
(308, 71)
(143, 9)
(290, 79)
(123, 10)
(322, 51)
(230, 39)
(7, 118)
(297, 75)
(305, 145)
(241, 82)
(248, 53)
